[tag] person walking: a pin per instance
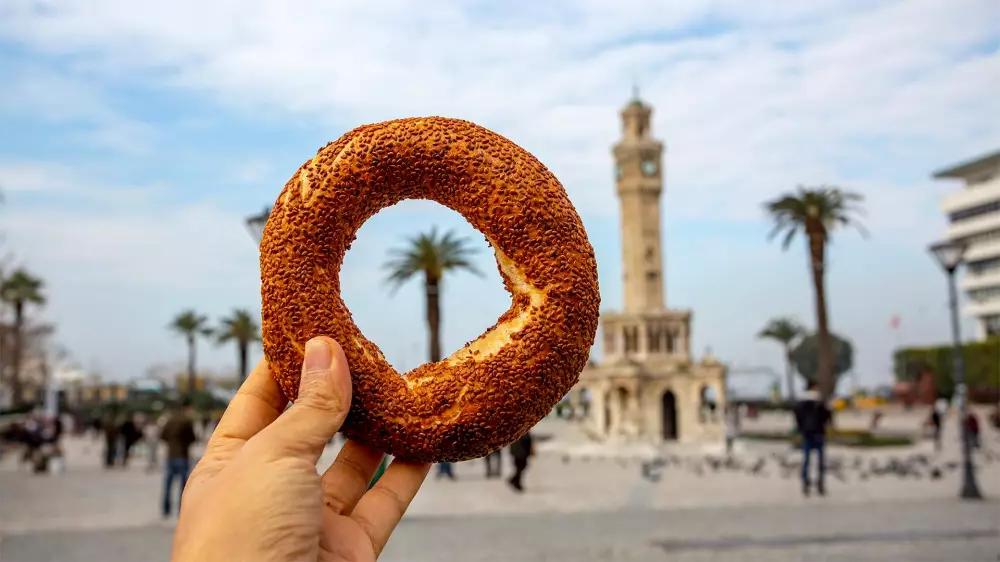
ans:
(811, 420)
(110, 426)
(445, 470)
(178, 434)
(493, 464)
(935, 422)
(151, 437)
(130, 434)
(520, 451)
(972, 429)
(732, 426)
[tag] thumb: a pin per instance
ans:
(321, 407)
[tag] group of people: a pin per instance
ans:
(812, 417)
(520, 451)
(39, 435)
(970, 426)
(175, 429)
(39, 438)
(124, 432)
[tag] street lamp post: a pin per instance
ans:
(255, 224)
(949, 254)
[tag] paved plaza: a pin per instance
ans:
(936, 531)
(583, 502)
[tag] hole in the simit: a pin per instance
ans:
(397, 320)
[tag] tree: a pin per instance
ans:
(19, 290)
(784, 331)
(982, 367)
(190, 324)
(240, 327)
(816, 212)
(806, 355)
(432, 256)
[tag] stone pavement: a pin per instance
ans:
(936, 531)
(583, 502)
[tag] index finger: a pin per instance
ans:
(383, 506)
(257, 403)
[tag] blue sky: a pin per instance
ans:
(139, 137)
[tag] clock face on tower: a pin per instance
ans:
(648, 167)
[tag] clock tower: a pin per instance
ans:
(639, 182)
(647, 385)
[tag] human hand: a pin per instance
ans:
(256, 494)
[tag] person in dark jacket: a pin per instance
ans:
(493, 464)
(178, 434)
(935, 421)
(811, 420)
(972, 429)
(130, 434)
(110, 426)
(520, 451)
(445, 470)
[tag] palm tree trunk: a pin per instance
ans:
(4, 346)
(432, 286)
(790, 373)
(191, 358)
(817, 258)
(16, 390)
(243, 350)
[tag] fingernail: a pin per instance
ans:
(318, 356)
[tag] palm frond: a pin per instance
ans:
(429, 254)
(22, 287)
(784, 330)
(189, 323)
(240, 326)
(819, 209)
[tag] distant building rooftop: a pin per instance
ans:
(970, 167)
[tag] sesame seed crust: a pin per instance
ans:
(491, 391)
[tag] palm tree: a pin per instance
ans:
(432, 256)
(242, 328)
(190, 324)
(784, 331)
(19, 290)
(816, 211)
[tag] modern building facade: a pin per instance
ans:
(648, 386)
(974, 217)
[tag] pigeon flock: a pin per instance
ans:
(842, 467)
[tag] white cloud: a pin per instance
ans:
(737, 107)
(751, 98)
(30, 176)
(75, 101)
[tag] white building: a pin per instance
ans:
(974, 217)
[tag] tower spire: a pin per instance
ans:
(639, 184)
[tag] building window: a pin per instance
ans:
(991, 325)
(631, 339)
(670, 342)
(609, 341)
(985, 294)
(971, 212)
(984, 266)
(988, 236)
(653, 336)
(707, 401)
